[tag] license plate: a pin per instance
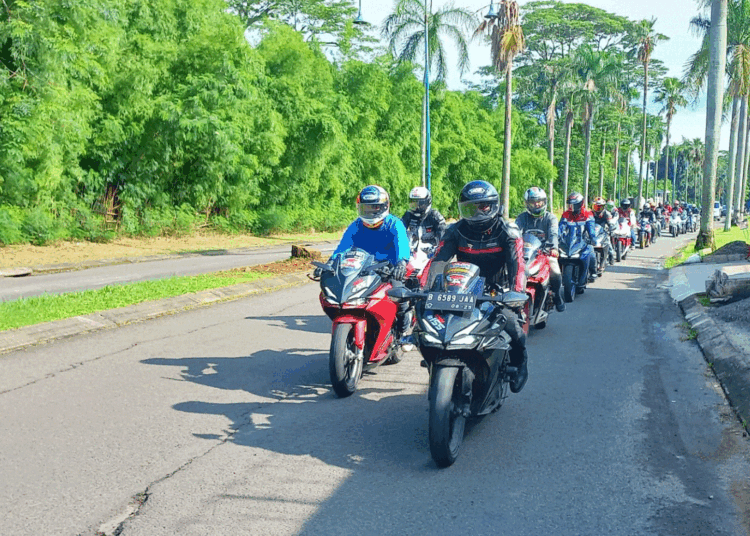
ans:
(445, 301)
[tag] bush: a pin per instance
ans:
(40, 228)
(10, 230)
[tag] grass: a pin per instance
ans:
(45, 308)
(703, 300)
(721, 238)
(690, 333)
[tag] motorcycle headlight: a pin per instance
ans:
(429, 339)
(356, 302)
(468, 340)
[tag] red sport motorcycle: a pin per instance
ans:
(541, 302)
(353, 295)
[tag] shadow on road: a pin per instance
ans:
(310, 323)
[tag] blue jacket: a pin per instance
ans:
(387, 242)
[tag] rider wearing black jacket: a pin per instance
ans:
(483, 238)
(422, 215)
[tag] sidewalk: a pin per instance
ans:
(17, 339)
(724, 343)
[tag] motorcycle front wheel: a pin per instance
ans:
(642, 240)
(618, 251)
(446, 424)
(344, 367)
(569, 286)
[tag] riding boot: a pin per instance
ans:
(522, 374)
(557, 297)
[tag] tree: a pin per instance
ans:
(507, 40)
(404, 31)
(718, 46)
(671, 95)
(647, 40)
(596, 76)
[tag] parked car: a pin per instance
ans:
(723, 210)
(717, 210)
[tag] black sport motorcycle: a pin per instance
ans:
(460, 333)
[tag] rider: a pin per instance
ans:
(648, 213)
(604, 218)
(544, 225)
(577, 212)
(379, 233)
(421, 216)
(629, 214)
(482, 237)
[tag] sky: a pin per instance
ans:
(672, 19)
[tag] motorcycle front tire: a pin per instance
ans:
(345, 373)
(446, 426)
(642, 240)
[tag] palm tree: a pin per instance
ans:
(507, 40)
(647, 40)
(671, 95)
(718, 53)
(737, 65)
(597, 75)
(404, 30)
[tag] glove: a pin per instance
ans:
(317, 272)
(399, 272)
(554, 253)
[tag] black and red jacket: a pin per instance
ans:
(491, 250)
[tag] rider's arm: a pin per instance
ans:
(553, 232)
(347, 240)
(514, 258)
(402, 241)
(439, 224)
(590, 226)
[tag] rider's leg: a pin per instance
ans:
(555, 283)
(518, 356)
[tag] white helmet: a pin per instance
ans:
(420, 200)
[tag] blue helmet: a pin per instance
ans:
(373, 205)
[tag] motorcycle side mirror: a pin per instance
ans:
(400, 294)
(515, 299)
(322, 266)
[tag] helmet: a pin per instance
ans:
(598, 205)
(575, 202)
(625, 204)
(479, 205)
(420, 200)
(536, 201)
(610, 205)
(372, 206)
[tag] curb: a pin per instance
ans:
(20, 338)
(731, 368)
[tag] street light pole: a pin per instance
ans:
(426, 168)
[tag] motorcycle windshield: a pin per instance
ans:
(347, 281)
(352, 261)
(570, 238)
(531, 244)
(460, 277)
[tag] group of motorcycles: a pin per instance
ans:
(454, 320)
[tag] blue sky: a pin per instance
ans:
(672, 19)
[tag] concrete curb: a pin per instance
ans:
(732, 369)
(17, 339)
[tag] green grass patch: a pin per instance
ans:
(721, 238)
(45, 308)
(703, 300)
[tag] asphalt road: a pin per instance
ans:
(222, 421)
(12, 288)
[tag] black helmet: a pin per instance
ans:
(372, 205)
(575, 202)
(479, 204)
(536, 201)
(420, 200)
(625, 204)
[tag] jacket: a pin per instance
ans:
(585, 216)
(500, 246)
(388, 242)
(432, 224)
(544, 227)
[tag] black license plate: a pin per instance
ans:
(445, 301)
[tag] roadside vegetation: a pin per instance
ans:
(722, 238)
(46, 308)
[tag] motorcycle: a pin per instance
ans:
(460, 333)
(676, 224)
(353, 295)
(541, 300)
(417, 272)
(575, 256)
(622, 240)
(599, 239)
(645, 232)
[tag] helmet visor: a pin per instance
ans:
(477, 211)
(372, 214)
(536, 206)
(419, 205)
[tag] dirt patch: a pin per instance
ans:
(738, 247)
(288, 266)
(734, 320)
(75, 252)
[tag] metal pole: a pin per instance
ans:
(428, 168)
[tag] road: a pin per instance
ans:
(12, 288)
(222, 421)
